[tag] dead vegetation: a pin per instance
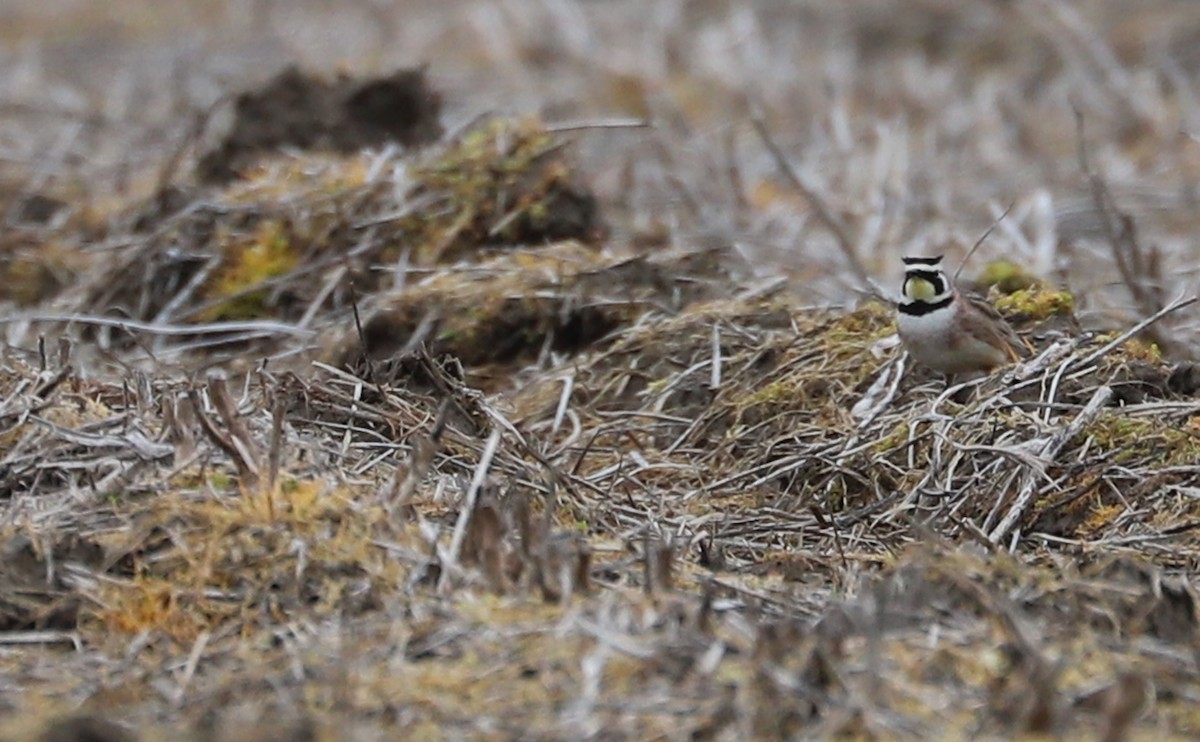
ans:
(734, 518)
(338, 444)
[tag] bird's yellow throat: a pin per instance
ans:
(920, 289)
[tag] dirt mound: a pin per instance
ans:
(303, 111)
(302, 241)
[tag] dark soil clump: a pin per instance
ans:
(295, 109)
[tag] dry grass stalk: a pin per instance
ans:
(559, 427)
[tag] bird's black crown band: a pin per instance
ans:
(937, 278)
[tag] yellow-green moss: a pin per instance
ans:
(1134, 439)
(152, 603)
(282, 179)
(822, 385)
(1007, 277)
(1036, 303)
(267, 253)
(1100, 516)
(782, 390)
(857, 330)
(1136, 349)
(31, 272)
(220, 481)
(495, 181)
(898, 436)
(851, 337)
(242, 543)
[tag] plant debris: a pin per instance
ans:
(372, 427)
(815, 513)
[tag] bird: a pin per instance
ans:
(948, 330)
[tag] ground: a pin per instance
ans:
(528, 371)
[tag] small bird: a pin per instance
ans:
(949, 331)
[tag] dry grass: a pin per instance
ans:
(592, 430)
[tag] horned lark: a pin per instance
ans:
(949, 331)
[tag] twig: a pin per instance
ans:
(275, 328)
(1029, 486)
(986, 233)
(714, 382)
(1178, 303)
(170, 165)
(189, 669)
(404, 484)
(248, 449)
(464, 515)
(1121, 232)
(275, 450)
(599, 124)
(364, 351)
(835, 226)
(564, 401)
(242, 459)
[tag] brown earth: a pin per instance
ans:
(421, 388)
